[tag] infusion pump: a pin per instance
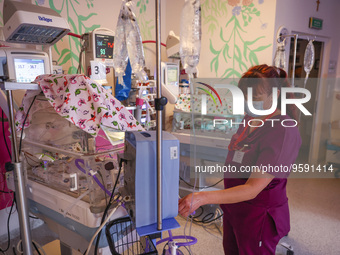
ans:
(23, 65)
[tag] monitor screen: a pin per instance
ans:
(172, 75)
(104, 46)
(26, 70)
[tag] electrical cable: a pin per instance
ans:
(109, 204)
(8, 232)
(3, 131)
(101, 177)
(36, 248)
(23, 124)
(101, 227)
(205, 187)
(39, 247)
(6, 192)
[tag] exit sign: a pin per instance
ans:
(315, 23)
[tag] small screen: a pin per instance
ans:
(26, 70)
(172, 75)
(104, 46)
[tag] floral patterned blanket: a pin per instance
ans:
(81, 101)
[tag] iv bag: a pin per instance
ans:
(280, 57)
(309, 58)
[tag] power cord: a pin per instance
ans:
(4, 134)
(205, 187)
(23, 124)
(8, 232)
(109, 204)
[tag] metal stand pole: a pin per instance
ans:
(159, 117)
(294, 60)
(20, 187)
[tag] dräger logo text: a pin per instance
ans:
(45, 19)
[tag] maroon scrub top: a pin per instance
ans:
(266, 145)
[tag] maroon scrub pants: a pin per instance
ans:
(249, 230)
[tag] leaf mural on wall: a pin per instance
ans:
(211, 11)
(77, 24)
(238, 52)
(146, 25)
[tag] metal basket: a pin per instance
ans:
(123, 238)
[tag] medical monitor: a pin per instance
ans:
(170, 81)
(23, 65)
(104, 46)
(27, 69)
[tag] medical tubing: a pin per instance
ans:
(77, 161)
(109, 204)
(101, 227)
(188, 243)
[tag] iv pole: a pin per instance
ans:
(19, 179)
(159, 116)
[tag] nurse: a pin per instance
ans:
(255, 205)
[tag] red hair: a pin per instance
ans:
(268, 77)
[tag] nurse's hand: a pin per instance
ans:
(184, 204)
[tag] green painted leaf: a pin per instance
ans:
(257, 13)
(138, 4)
(251, 5)
(226, 72)
(261, 48)
(51, 3)
(253, 59)
(63, 52)
(221, 35)
(84, 18)
(72, 70)
(56, 49)
(237, 25)
(66, 58)
(213, 51)
(73, 26)
(252, 42)
(226, 52)
(231, 19)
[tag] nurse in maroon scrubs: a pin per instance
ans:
(255, 205)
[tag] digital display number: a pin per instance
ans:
(104, 46)
(26, 70)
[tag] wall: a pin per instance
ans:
(235, 34)
(294, 15)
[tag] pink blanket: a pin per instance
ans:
(81, 101)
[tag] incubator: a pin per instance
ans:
(61, 156)
(70, 174)
(204, 123)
